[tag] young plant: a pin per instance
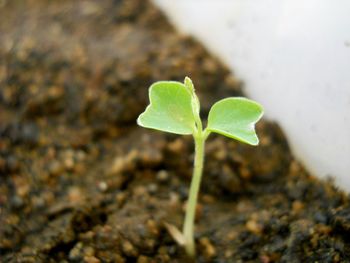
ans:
(174, 107)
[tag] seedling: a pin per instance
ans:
(174, 107)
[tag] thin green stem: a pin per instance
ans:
(193, 194)
(199, 139)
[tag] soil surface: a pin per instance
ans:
(80, 182)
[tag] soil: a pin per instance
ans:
(81, 182)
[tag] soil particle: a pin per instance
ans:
(341, 218)
(128, 249)
(91, 259)
(254, 227)
(207, 248)
(163, 176)
(80, 182)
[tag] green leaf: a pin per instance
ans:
(235, 118)
(170, 108)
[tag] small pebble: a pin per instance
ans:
(294, 168)
(17, 202)
(102, 186)
(140, 191)
(297, 206)
(336, 258)
(265, 259)
(174, 199)
(245, 173)
(220, 154)
(208, 199)
(176, 146)
(69, 163)
(89, 251)
(38, 202)
(75, 194)
(76, 252)
(232, 235)
(143, 259)
(228, 253)
(55, 168)
(152, 188)
(254, 227)
(162, 176)
(152, 227)
(91, 259)
(128, 249)
(229, 180)
(151, 157)
(120, 198)
(209, 250)
(123, 163)
(324, 229)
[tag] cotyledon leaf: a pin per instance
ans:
(235, 118)
(170, 108)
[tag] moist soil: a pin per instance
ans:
(81, 182)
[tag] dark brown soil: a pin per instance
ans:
(80, 182)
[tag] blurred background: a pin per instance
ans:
(294, 58)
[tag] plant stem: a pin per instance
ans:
(193, 194)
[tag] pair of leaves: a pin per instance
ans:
(171, 110)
